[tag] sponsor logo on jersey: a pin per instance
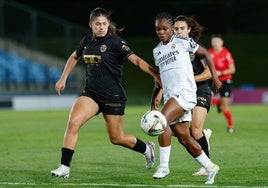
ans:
(92, 59)
(202, 100)
(167, 58)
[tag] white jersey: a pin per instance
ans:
(175, 66)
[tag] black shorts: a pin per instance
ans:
(203, 94)
(226, 88)
(106, 106)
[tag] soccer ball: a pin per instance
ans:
(153, 123)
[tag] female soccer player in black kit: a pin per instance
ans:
(189, 27)
(104, 52)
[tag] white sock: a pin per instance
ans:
(164, 154)
(204, 161)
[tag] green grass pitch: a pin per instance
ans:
(30, 143)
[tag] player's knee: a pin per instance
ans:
(115, 140)
(196, 133)
(72, 126)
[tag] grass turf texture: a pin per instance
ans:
(30, 145)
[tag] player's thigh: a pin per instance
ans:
(114, 125)
(82, 110)
(172, 110)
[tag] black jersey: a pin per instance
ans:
(104, 58)
(197, 66)
(203, 88)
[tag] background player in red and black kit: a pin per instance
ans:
(225, 67)
(104, 53)
(189, 27)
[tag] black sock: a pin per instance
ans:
(66, 156)
(204, 144)
(140, 146)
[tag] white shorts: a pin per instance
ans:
(187, 100)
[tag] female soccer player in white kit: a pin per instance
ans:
(172, 58)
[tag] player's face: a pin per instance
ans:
(99, 26)
(181, 28)
(164, 30)
(216, 42)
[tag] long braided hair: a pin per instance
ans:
(165, 15)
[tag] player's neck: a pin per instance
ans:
(218, 50)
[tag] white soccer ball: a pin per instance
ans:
(153, 123)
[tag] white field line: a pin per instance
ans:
(119, 185)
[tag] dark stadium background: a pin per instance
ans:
(229, 16)
(243, 24)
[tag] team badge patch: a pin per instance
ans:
(173, 46)
(125, 46)
(192, 56)
(103, 48)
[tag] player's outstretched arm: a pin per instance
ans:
(203, 51)
(144, 66)
(156, 97)
(69, 66)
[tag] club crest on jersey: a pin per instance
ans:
(173, 46)
(103, 48)
(192, 56)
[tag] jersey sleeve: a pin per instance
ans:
(80, 47)
(122, 48)
(192, 45)
(154, 56)
(125, 49)
(156, 53)
(229, 58)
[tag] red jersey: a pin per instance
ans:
(222, 60)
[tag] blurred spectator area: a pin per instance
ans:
(23, 70)
(34, 47)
